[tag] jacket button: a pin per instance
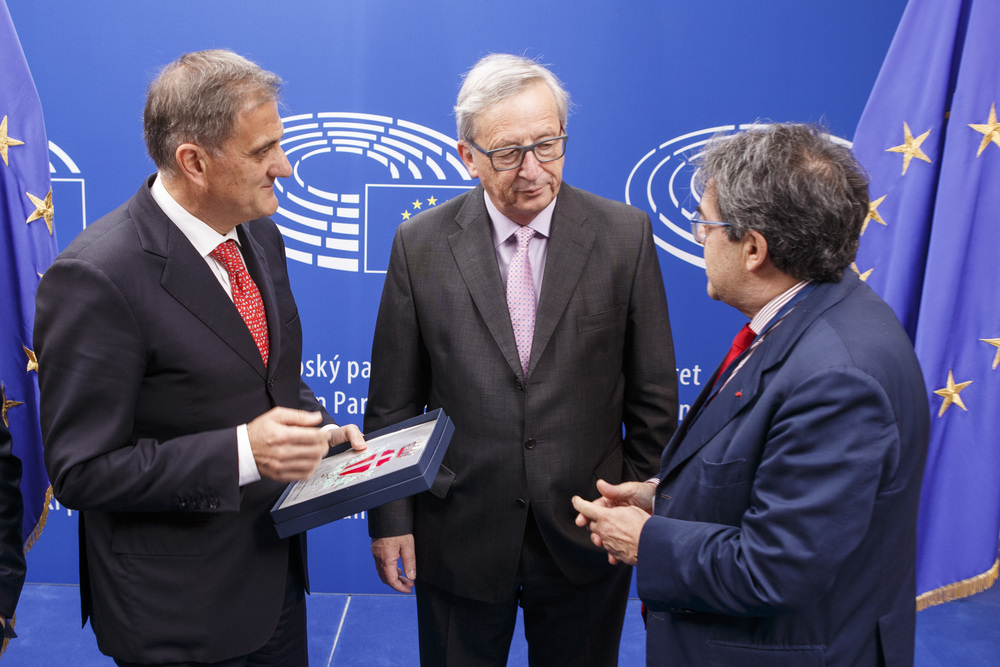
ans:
(521, 502)
(529, 443)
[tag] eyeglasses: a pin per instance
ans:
(699, 227)
(511, 157)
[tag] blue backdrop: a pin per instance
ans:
(369, 129)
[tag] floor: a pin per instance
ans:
(376, 630)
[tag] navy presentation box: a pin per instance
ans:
(401, 460)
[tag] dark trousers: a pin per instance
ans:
(565, 624)
(287, 646)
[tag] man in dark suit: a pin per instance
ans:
(12, 567)
(538, 397)
(173, 411)
(784, 525)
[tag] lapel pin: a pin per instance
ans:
(739, 394)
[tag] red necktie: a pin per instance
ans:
(740, 343)
(246, 296)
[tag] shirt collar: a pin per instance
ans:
(767, 313)
(504, 227)
(202, 237)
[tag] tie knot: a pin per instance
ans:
(743, 338)
(524, 235)
(226, 252)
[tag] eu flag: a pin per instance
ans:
(930, 139)
(27, 247)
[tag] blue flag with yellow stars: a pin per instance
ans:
(27, 247)
(930, 139)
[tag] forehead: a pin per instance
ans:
(529, 115)
(260, 124)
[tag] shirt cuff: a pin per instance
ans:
(248, 466)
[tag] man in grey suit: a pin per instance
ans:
(539, 396)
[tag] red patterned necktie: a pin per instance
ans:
(521, 296)
(740, 342)
(246, 296)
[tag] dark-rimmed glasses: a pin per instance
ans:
(511, 157)
(699, 227)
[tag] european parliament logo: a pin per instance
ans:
(662, 184)
(69, 195)
(355, 177)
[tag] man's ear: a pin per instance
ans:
(192, 163)
(754, 251)
(465, 152)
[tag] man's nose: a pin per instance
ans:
(282, 167)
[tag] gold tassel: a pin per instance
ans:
(959, 589)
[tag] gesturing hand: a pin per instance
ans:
(286, 444)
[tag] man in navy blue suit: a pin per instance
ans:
(782, 529)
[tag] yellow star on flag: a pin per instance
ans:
(32, 359)
(995, 342)
(863, 276)
(990, 131)
(910, 148)
(43, 209)
(432, 201)
(873, 214)
(416, 204)
(950, 393)
(6, 141)
(6, 405)
(406, 215)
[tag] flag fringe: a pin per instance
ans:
(28, 543)
(959, 589)
(37, 532)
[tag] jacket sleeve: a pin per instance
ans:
(12, 568)
(650, 399)
(398, 387)
(92, 364)
(831, 450)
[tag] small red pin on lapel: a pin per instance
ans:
(739, 394)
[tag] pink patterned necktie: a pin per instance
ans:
(246, 296)
(521, 296)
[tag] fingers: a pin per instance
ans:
(286, 444)
(607, 490)
(348, 433)
(387, 551)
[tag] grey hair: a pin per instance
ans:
(807, 195)
(499, 77)
(198, 99)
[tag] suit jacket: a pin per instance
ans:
(785, 520)
(146, 368)
(602, 357)
(12, 568)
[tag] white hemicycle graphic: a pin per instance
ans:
(661, 184)
(69, 191)
(339, 161)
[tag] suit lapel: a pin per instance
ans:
(569, 246)
(187, 278)
(472, 248)
(707, 418)
(257, 264)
